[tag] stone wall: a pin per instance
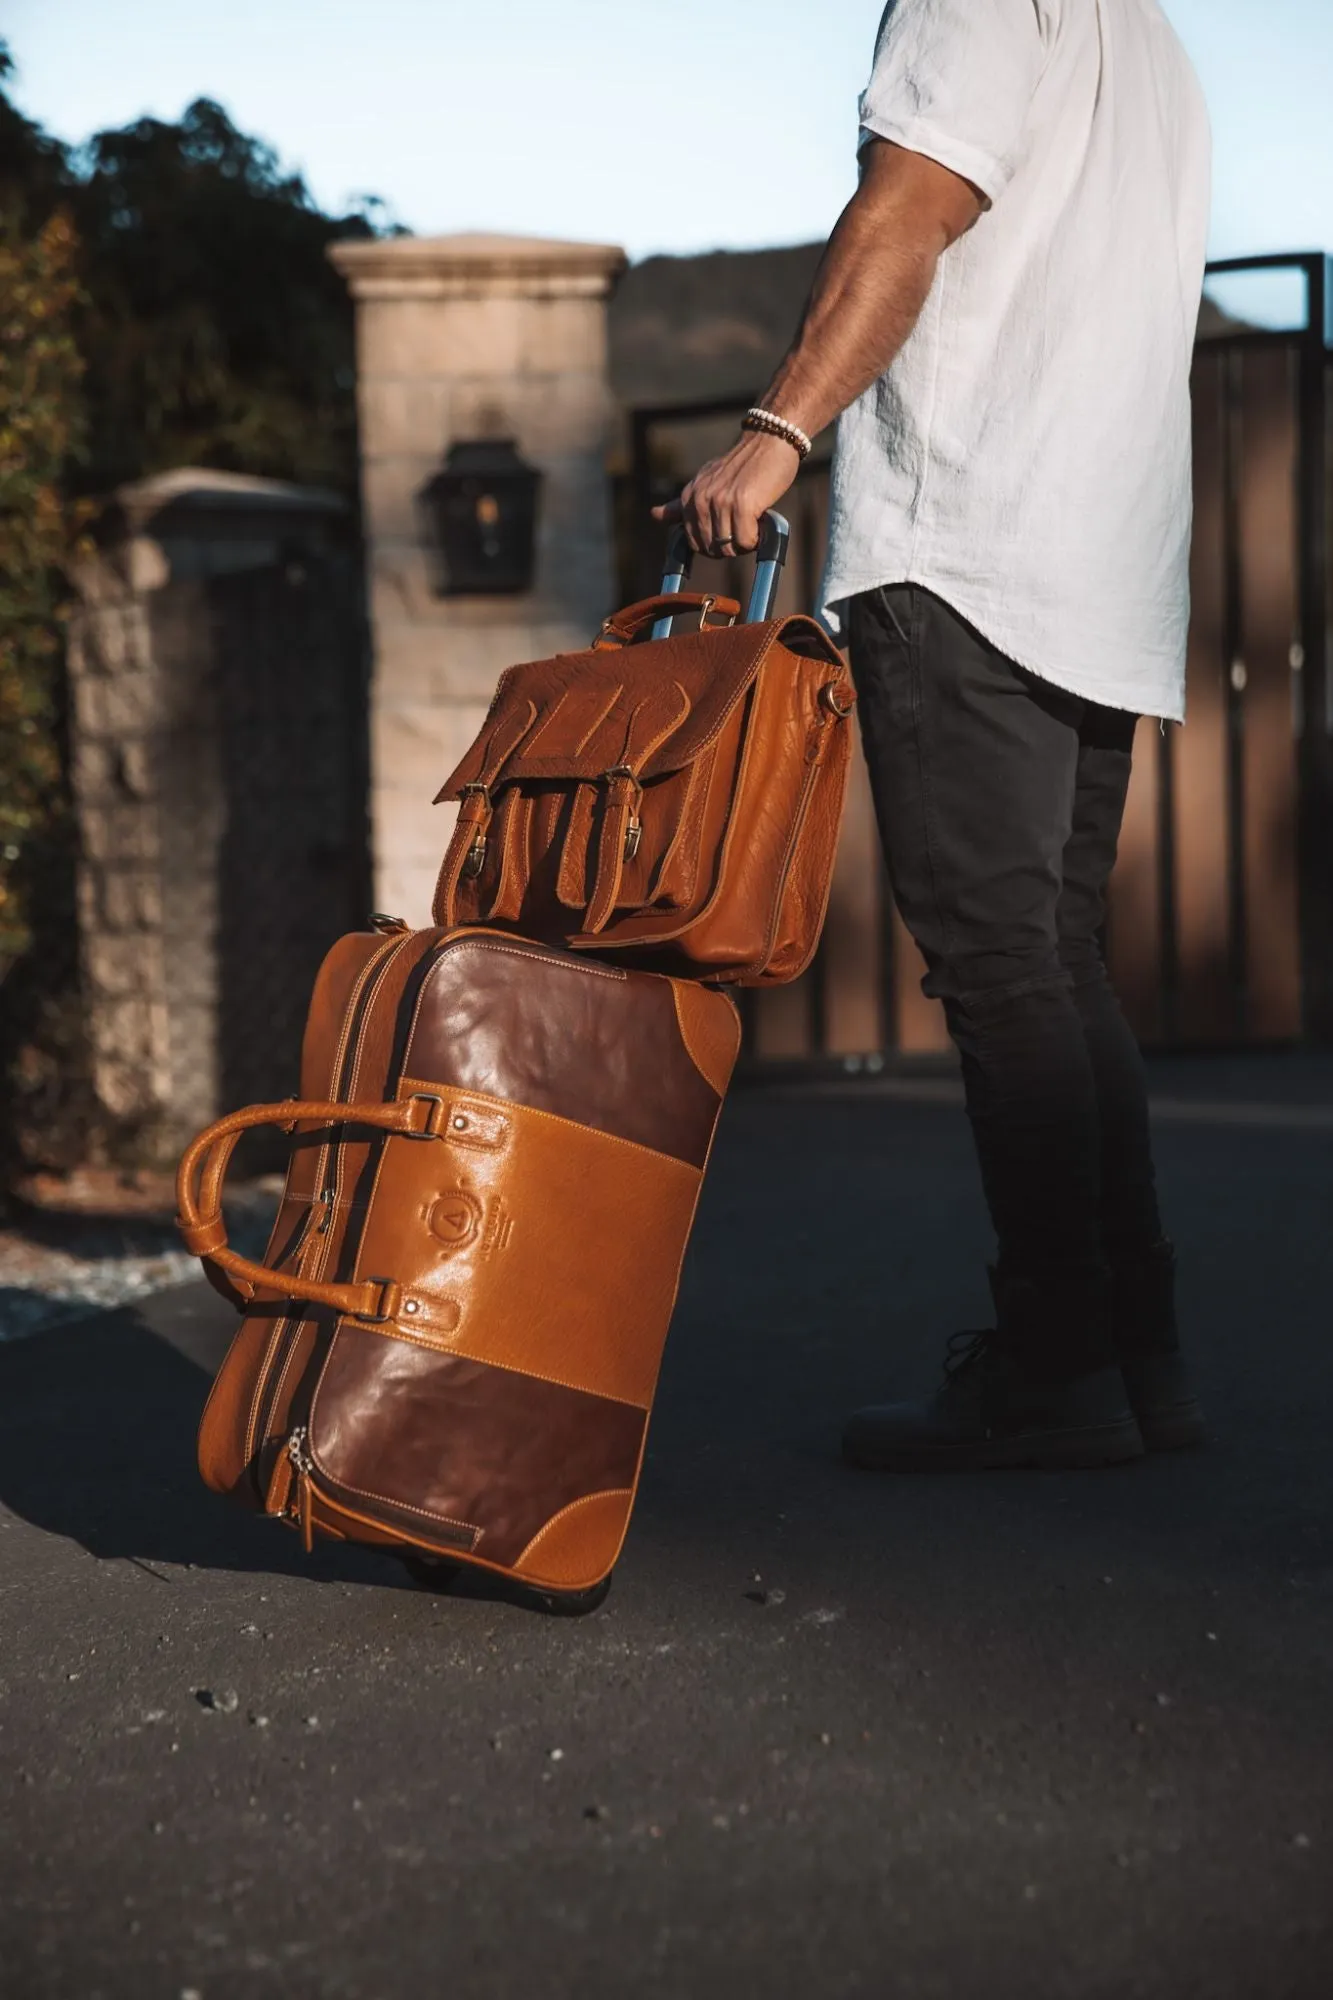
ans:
(216, 669)
(460, 338)
(117, 705)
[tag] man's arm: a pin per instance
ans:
(870, 287)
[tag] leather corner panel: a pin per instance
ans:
(710, 1028)
(459, 1453)
(579, 1545)
(587, 1042)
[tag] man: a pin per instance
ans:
(1003, 320)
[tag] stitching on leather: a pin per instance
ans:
(365, 1492)
(377, 962)
(605, 1493)
(505, 951)
(813, 772)
(386, 1500)
(751, 674)
(556, 1381)
(394, 1330)
(261, 1381)
(510, 1109)
(292, 1351)
(616, 972)
(328, 1240)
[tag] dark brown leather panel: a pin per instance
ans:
(588, 1042)
(439, 1444)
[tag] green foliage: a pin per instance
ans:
(43, 1092)
(213, 329)
(40, 423)
(216, 331)
(165, 300)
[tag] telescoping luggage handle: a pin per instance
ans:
(774, 535)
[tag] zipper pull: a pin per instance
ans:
(326, 1198)
(303, 1465)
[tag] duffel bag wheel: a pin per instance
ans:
(432, 1572)
(437, 1573)
(573, 1603)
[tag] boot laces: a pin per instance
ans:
(967, 1350)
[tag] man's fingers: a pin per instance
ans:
(715, 519)
(745, 529)
(724, 534)
(699, 524)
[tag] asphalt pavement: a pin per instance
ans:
(1050, 1737)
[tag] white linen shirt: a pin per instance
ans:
(1027, 454)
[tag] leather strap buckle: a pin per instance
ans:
(634, 825)
(835, 701)
(388, 1305)
(475, 859)
(434, 1117)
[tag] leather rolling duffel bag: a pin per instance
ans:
(452, 1345)
(671, 800)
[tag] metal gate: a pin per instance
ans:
(1220, 929)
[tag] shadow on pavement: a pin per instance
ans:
(97, 1429)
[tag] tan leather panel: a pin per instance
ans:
(458, 1452)
(580, 1544)
(710, 1028)
(570, 1273)
(566, 1035)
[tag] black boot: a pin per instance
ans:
(1039, 1389)
(1143, 1321)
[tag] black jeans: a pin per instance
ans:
(999, 799)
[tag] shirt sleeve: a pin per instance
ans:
(953, 79)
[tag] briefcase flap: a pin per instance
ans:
(647, 709)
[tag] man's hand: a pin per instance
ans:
(721, 506)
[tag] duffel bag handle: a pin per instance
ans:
(203, 1169)
(623, 626)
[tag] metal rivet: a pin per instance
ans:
(412, 1305)
(460, 1124)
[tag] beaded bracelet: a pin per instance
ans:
(792, 434)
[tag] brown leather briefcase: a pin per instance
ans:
(452, 1345)
(671, 800)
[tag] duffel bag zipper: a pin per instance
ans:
(324, 1206)
(301, 1502)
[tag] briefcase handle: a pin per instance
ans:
(624, 626)
(771, 554)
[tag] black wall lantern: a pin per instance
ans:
(483, 506)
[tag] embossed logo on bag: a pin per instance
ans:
(455, 1218)
(499, 1229)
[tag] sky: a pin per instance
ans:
(657, 124)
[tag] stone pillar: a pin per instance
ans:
(462, 337)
